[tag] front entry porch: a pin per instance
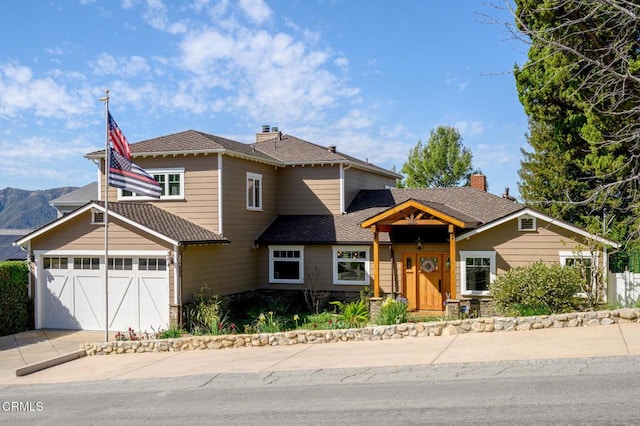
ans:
(425, 237)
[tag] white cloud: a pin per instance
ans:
(469, 128)
(20, 92)
(106, 64)
(271, 75)
(257, 10)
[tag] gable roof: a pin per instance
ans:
(465, 204)
(284, 150)
(146, 217)
(191, 142)
(78, 197)
(7, 250)
(294, 151)
(552, 221)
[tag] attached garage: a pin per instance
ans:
(71, 292)
(146, 249)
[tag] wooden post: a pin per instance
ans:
(376, 262)
(452, 261)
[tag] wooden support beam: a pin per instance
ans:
(376, 262)
(452, 261)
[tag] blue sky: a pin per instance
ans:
(372, 77)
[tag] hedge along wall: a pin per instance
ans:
(14, 297)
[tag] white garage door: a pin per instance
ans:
(71, 293)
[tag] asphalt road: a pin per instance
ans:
(568, 391)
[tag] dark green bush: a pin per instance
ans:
(539, 289)
(14, 297)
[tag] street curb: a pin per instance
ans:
(51, 362)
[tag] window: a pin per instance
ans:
(152, 264)
(527, 223)
(286, 264)
(478, 271)
(55, 262)
(171, 181)
(121, 264)
(86, 263)
(254, 191)
(583, 260)
(351, 265)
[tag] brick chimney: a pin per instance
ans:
(479, 181)
(267, 133)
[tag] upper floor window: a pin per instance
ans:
(478, 270)
(254, 191)
(171, 182)
(351, 265)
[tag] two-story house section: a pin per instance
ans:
(218, 196)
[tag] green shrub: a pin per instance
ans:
(206, 314)
(392, 312)
(538, 288)
(353, 314)
(14, 297)
(322, 321)
(170, 333)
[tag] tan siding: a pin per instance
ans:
(309, 190)
(200, 204)
(320, 257)
(355, 180)
(516, 248)
(80, 234)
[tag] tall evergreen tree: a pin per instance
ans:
(583, 112)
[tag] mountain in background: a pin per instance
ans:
(21, 209)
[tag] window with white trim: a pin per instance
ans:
(254, 191)
(527, 223)
(351, 265)
(286, 264)
(583, 260)
(55, 262)
(478, 270)
(171, 182)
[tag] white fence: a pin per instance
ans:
(624, 288)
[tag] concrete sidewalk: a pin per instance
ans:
(596, 341)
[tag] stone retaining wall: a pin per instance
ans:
(381, 332)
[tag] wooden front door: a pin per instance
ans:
(423, 280)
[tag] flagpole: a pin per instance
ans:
(107, 161)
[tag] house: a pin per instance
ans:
(8, 251)
(279, 214)
(74, 199)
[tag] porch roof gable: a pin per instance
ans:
(412, 211)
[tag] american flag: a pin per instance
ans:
(125, 174)
(118, 139)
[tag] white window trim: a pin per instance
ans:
(463, 271)
(534, 226)
(564, 255)
(273, 280)
(258, 177)
(166, 172)
(367, 262)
